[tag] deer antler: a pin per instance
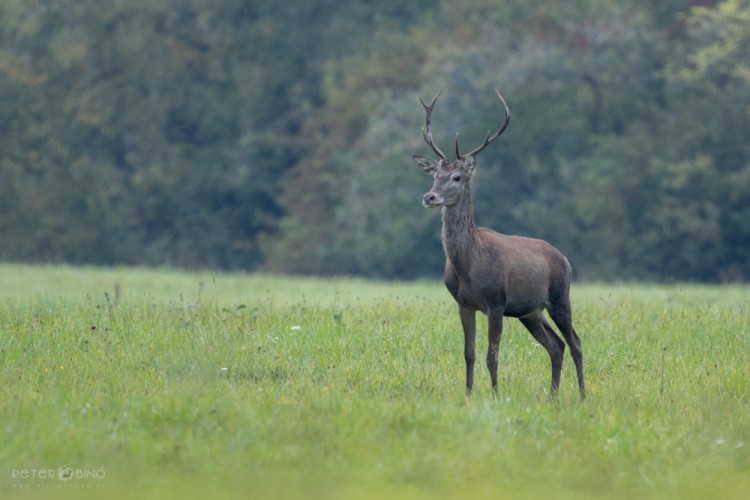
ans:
(427, 129)
(490, 138)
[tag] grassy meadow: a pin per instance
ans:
(134, 383)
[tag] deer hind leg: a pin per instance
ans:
(545, 335)
(563, 318)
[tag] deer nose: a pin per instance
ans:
(429, 199)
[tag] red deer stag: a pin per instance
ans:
(497, 274)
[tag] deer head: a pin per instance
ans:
(451, 176)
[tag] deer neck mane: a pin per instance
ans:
(458, 231)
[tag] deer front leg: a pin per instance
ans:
(468, 322)
(494, 333)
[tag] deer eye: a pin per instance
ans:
(457, 178)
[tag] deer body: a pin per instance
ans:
(497, 274)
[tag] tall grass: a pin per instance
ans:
(165, 384)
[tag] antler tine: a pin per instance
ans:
(427, 129)
(490, 138)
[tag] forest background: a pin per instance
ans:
(276, 136)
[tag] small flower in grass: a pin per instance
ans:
(325, 388)
(296, 327)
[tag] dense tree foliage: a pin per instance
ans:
(250, 134)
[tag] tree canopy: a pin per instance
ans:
(251, 135)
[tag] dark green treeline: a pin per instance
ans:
(262, 135)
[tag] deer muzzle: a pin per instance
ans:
(431, 200)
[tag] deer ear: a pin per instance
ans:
(428, 166)
(468, 164)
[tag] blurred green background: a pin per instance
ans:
(276, 136)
